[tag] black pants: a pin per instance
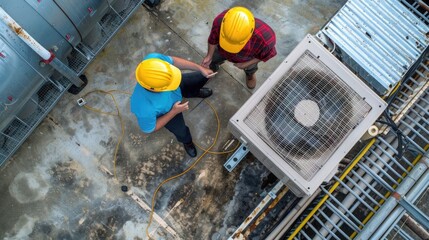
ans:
(190, 87)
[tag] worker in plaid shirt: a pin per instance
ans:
(240, 38)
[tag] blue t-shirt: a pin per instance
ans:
(148, 106)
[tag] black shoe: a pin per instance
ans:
(205, 92)
(190, 149)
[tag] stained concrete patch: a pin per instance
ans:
(147, 170)
(28, 187)
(132, 230)
(65, 173)
(23, 228)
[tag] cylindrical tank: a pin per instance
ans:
(59, 26)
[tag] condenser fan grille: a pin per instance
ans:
(307, 114)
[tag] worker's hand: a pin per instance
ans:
(206, 61)
(207, 72)
(179, 107)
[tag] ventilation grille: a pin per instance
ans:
(307, 115)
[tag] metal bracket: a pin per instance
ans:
(236, 158)
(81, 102)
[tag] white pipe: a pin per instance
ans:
(48, 57)
(30, 41)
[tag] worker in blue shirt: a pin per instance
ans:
(157, 98)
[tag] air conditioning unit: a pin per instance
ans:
(306, 117)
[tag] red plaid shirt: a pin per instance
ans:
(261, 45)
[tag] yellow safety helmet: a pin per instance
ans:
(157, 75)
(236, 29)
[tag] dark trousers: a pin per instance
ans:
(218, 60)
(190, 87)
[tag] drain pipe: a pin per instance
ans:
(48, 57)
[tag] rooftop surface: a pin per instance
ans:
(65, 181)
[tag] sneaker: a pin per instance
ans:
(251, 81)
(205, 93)
(190, 149)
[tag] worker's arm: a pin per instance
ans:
(176, 109)
(245, 65)
(184, 64)
(208, 58)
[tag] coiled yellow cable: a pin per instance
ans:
(185, 171)
(118, 113)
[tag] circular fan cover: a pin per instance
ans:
(302, 113)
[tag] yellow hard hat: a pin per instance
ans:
(236, 29)
(157, 75)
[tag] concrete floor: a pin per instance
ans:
(59, 184)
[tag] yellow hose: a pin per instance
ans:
(184, 172)
(118, 113)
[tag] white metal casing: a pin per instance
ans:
(263, 150)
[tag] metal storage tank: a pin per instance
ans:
(73, 33)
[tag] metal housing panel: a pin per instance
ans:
(287, 167)
(57, 19)
(14, 94)
(84, 15)
(380, 40)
